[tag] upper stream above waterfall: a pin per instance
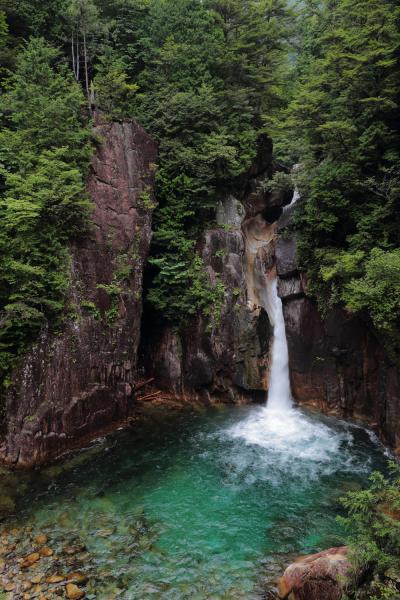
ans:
(187, 507)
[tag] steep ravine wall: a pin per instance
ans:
(230, 361)
(76, 383)
(337, 363)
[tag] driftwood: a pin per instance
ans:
(142, 384)
(149, 396)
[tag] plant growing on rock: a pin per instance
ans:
(374, 522)
(44, 155)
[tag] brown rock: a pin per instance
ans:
(78, 577)
(45, 551)
(229, 362)
(9, 586)
(73, 592)
(316, 577)
(30, 560)
(41, 539)
(72, 391)
(337, 363)
(36, 579)
(55, 578)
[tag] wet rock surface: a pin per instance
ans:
(337, 363)
(316, 577)
(75, 383)
(228, 361)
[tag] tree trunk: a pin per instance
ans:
(73, 53)
(77, 56)
(86, 71)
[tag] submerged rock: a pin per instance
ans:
(319, 576)
(74, 592)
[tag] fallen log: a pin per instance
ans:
(149, 396)
(142, 384)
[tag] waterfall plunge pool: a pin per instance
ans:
(201, 505)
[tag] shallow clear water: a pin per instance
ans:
(205, 505)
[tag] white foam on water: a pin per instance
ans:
(289, 433)
(286, 437)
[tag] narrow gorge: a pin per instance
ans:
(116, 504)
(199, 300)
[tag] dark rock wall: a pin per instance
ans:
(229, 361)
(74, 384)
(337, 363)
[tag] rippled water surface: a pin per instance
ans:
(204, 505)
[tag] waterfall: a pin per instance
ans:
(290, 435)
(279, 394)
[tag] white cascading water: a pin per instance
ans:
(279, 394)
(284, 432)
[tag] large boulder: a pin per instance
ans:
(76, 383)
(319, 576)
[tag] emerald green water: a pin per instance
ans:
(204, 505)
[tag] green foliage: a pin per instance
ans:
(180, 286)
(91, 308)
(113, 93)
(342, 126)
(182, 289)
(208, 74)
(41, 110)
(280, 182)
(205, 79)
(374, 522)
(44, 152)
(378, 292)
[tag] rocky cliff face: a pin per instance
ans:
(337, 363)
(78, 382)
(230, 361)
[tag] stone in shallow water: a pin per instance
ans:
(9, 586)
(78, 577)
(41, 539)
(55, 579)
(73, 592)
(30, 560)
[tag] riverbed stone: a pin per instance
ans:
(78, 577)
(74, 592)
(30, 559)
(40, 539)
(55, 579)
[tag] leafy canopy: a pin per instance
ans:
(44, 152)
